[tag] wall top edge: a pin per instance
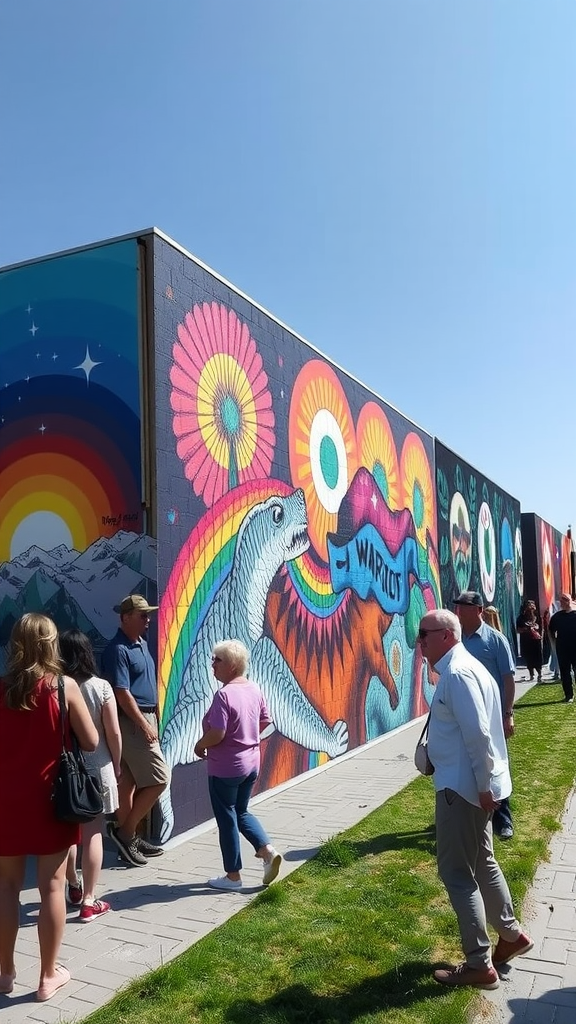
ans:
(154, 231)
(286, 327)
(79, 248)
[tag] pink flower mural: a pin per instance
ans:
(223, 418)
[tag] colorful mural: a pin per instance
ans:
(479, 537)
(297, 513)
(70, 461)
(547, 563)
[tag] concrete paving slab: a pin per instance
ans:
(161, 909)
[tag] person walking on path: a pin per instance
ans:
(562, 630)
(128, 666)
(79, 663)
(30, 749)
(467, 748)
(492, 650)
(529, 627)
(230, 744)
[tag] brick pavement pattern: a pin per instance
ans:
(162, 909)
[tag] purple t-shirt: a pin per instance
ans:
(240, 709)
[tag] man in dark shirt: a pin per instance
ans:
(129, 668)
(562, 629)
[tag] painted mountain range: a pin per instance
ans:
(78, 589)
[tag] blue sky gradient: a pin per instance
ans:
(394, 179)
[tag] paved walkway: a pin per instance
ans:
(160, 910)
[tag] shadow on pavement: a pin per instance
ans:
(522, 1010)
(303, 854)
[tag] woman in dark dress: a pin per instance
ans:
(529, 626)
(30, 747)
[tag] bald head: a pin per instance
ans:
(440, 630)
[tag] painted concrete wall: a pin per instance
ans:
(547, 564)
(296, 511)
(71, 541)
(480, 539)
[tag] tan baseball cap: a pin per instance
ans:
(134, 603)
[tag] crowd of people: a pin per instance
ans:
(115, 723)
(114, 719)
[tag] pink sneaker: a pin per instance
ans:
(90, 911)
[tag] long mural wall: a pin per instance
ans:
(295, 509)
(479, 537)
(548, 563)
(71, 540)
(296, 512)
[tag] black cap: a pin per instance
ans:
(469, 597)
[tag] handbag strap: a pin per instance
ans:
(62, 706)
(425, 729)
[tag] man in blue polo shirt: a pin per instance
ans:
(492, 650)
(129, 668)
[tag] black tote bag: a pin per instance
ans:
(77, 793)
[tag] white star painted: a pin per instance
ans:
(42, 429)
(26, 379)
(33, 329)
(37, 355)
(54, 357)
(88, 365)
(28, 309)
(374, 499)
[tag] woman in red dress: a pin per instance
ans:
(30, 746)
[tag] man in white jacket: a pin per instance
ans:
(467, 747)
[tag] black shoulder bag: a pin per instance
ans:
(77, 793)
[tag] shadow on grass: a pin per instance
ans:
(538, 704)
(399, 988)
(340, 852)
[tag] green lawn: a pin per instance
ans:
(355, 934)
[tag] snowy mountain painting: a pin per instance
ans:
(78, 589)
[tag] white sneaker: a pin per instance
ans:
(225, 883)
(271, 866)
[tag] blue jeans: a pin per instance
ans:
(229, 798)
(502, 817)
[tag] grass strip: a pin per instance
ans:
(354, 934)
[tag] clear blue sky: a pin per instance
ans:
(394, 179)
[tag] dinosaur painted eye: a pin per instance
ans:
(277, 514)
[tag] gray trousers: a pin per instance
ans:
(474, 881)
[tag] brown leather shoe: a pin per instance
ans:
(506, 951)
(455, 977)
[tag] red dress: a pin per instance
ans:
(30, 747)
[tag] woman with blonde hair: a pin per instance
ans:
(30, 747)
(491, 617)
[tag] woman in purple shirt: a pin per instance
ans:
(230, 743)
